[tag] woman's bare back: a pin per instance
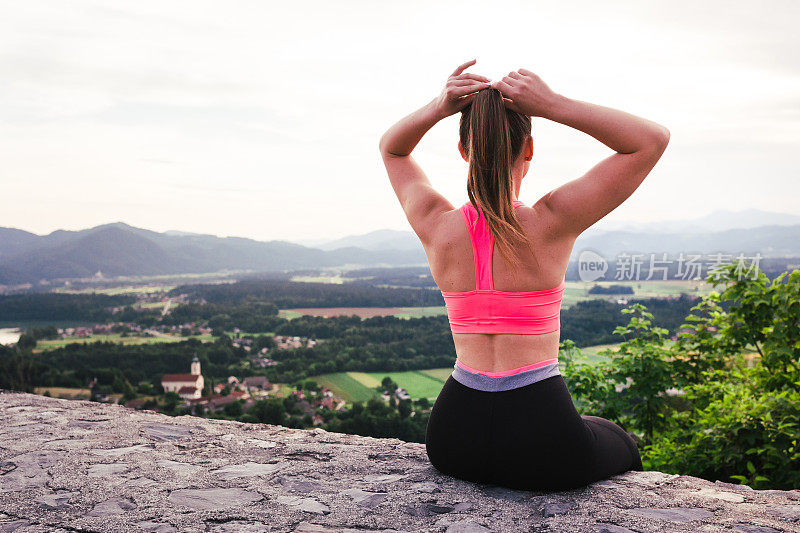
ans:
(451, 261)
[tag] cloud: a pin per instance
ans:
(261, 119)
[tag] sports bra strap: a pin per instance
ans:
(482, 244)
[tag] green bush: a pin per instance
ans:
(733, 432)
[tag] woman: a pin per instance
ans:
(505, 416)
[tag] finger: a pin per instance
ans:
(465, 100)
(526, 72)
(511, 105)
(515, 75)
(467, 89)
(502, 86)
(463, 67)
(471, 76)
(463, 83)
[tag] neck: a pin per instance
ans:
(517, 173)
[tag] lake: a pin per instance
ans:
(9, 335)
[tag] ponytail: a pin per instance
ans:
(492, 137)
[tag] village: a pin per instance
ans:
(247, 391)
(130, 330)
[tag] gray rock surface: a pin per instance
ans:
(80, 466)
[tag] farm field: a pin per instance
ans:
(359, 386)
(44, 345)
(574, 292)
(416, 382)
(363, 312)
(345, 386)
(577, 291)
(122, 289)
(65, 392)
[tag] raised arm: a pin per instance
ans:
(639, 143)
(420, 202)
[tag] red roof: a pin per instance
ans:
(190, 378)
(187, 389)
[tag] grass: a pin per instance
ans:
(344, 385)
(417, 383)
(65, 392)
(577, 291)
(122, 289)
(419, 312)
(45, 345)
(574, 292)
(439, 373)
(368, 380)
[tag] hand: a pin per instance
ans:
(460, 90)
(526, 93)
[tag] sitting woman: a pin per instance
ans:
(505, 415)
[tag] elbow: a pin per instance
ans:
(656, 141)
(384, 149)
(662, 137)
(382, 144)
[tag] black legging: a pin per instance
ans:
(528, 438)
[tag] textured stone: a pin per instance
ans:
(364, 498)
(309, 505)
(467, 526)
(212, 499)
(675, 514)
(14, 525)
(55, 501)
(156, 527)
(106, 469)
(750, 528)
(612, 528)
(114, 506)
(83, 466)
(245, 470)
(787, 512)
(720, 495)
(553, 509)
(166, 432)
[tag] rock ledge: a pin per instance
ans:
(79, 466)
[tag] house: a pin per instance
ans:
(305, 407)
(217, 402)
(402, 394)
(257, 383)
(188, 386)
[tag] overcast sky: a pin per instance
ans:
(262, 119)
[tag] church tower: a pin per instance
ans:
(195, 366)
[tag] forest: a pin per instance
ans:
(720, 402)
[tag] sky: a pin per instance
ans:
(262, 119)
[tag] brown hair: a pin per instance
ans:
(492, 137)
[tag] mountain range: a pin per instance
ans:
(118, 249)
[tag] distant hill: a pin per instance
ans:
(720, 220)
(382, 239)
(770, 241)
(120, 249)
(717, 221)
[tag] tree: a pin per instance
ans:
(171, 400)
(26, 341)
(742, 423)
(387, 385)
(643, 365)
(233, 409)
(270, 411)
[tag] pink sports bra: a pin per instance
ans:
(486, 310)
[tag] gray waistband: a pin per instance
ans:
(502, 383)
